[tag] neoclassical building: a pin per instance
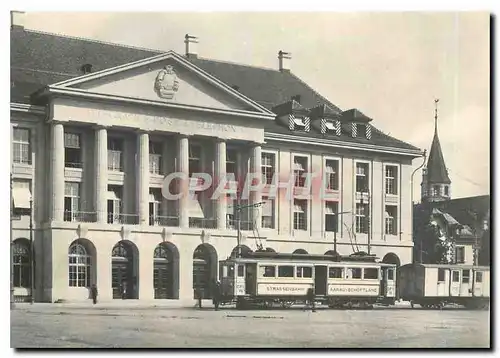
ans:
(96, 128)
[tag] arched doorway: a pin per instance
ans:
(204, 269)
(391, 258)
(244, 250)
(81, 260)
(124, 270)
(166, 271)
(300, 252)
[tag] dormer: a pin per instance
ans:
(292, 115)
(359, 123)
(326, 120)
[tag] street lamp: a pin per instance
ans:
(32, 251)
(411, 195)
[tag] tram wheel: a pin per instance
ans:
(286, 304)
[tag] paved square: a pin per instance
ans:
(85, 327)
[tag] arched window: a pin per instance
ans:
(79, 266)
(21, 263)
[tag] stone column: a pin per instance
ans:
(256, 196)
(142, 175)
(220, 172)
(101, 174)
(183, 167)
(165, 163)
(57, 166)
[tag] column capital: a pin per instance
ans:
(142, 131)
(100, 126)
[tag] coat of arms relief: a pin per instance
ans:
(166, 83)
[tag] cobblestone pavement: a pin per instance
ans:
(51, 326)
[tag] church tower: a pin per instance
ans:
(435, 180)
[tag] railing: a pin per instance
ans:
(73, 165)
(80, 216)
(164, 221)
(201, 223)
(128, 219)
(232, 224)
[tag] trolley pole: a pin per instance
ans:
(32, 251)
(239, 207)
(12, 304)
(337, 228)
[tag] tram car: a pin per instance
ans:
(268, 278)
(434, 286)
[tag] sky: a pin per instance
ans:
(390, 66)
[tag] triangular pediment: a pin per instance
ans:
(168, 78)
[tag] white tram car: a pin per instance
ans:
(433, 286)
(264, 278)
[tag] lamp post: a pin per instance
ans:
(32, 251)
(12, 304)
(337, 228)
(411, 195)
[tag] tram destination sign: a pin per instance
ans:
(345, 290)
(282, 289)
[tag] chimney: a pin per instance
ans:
(191, 46)
(86, 68)
(284, 60)
(17, 19)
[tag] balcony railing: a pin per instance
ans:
(77, 165)
(164, 221)
(80, 216)
(128, 219)
(244, 225)
(200, 223)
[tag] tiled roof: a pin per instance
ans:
(39, 59)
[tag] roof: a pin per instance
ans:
(39, 59)
(468, 211)
(436, 167)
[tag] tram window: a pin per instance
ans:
(465, 276)
(285, 271)
(335, 272)
(304, 271)
(241, 270)
(441, 277)
(479, 276)
(230, 271)
(371, 273)
(355, 273)
(390, 274)
(456, 276)
(268, 271)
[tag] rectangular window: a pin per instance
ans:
(268, 167)
(241, 270)
(361, 130)
(441, 275)
(362, 215)
(267, 213)
(354, 273)
(72, 150)
(299, 169)
(155, 199)
(232, 162)
(335, 272)
(268, 271)
(362, 177)
(115, 154)
(21, 148)
(460, 254)
(331, 216)
(436, 190)
(391, 213)
(479, 276)
(390, 275)
(391, 179)
(300, 214)
(465, 276)
(285, 271)
(455, 276)
(114, 204)
(155, 157)
(194, 159)
(304, 271)
(71, 201)
(371, 273)
(332, 174)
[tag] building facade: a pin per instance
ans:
(97, 127)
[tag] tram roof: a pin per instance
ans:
(307, 257)
(449, 266)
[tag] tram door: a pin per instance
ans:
(320, 280)
(240, 280)
(388, 282)
(455, 283)
(251, 279)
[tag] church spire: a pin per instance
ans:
(436, 101)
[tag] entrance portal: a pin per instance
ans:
(204, 270)
(166, 271)
(124, 271)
